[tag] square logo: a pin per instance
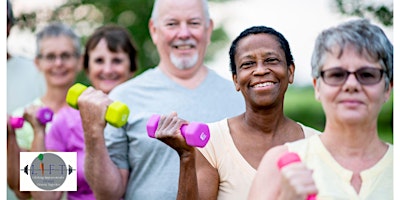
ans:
(48, 171)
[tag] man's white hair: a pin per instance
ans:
(154, 13)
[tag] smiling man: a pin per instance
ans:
(138, 166)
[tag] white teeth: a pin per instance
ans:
(183, 47)
(263, 84)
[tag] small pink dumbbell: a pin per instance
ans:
(290, 158)
(196, 134)
(43, 115)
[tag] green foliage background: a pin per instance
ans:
(86, 15)
(300, 104)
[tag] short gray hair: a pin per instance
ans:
(368, 39)
(54, 30)
(154, 13)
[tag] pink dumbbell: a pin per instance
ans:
(290, 158)
(196, 134)
(43, 115)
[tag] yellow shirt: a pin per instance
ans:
(333, 181)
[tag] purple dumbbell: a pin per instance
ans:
(196, 134)
(16, 122)
(43, 115)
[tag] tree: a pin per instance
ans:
(362, 8)
(86, 15)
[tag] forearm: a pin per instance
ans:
(187, 188)
(13, 172)
(12, 162)
(100, 169)
(38, 143)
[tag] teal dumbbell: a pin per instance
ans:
(117, 112)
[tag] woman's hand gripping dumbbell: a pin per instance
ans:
(196, 134)
(43, 116)
(117, 113)
(290, 158)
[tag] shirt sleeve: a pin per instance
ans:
(117, 145)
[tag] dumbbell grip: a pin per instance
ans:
(289, 158)
(199, 133)
(43, 115)
(152, 125)
(117, 112)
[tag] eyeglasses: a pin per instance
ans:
(365, 76)
(51, 58)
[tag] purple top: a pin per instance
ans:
(66, 135)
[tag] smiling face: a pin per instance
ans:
(58, 61)
(262, 72)
(351, 102)
(180, 33)
(108, 69)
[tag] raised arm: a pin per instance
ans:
(38, 145)
(99, 168)
(292, 181)
(13, 151)
(39, 130)
(197, 178)
(168, 130)
(208, 178)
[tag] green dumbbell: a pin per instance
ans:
(117, 112)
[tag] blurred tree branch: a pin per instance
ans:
(86, 15)
(360, 8)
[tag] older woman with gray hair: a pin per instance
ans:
(352, 69)
(58, 58)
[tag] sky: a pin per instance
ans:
(299, 21)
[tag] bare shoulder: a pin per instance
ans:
(271, 157)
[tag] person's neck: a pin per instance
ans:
(354, 140)
(188, 78)
(355, 150)
(257, 118)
